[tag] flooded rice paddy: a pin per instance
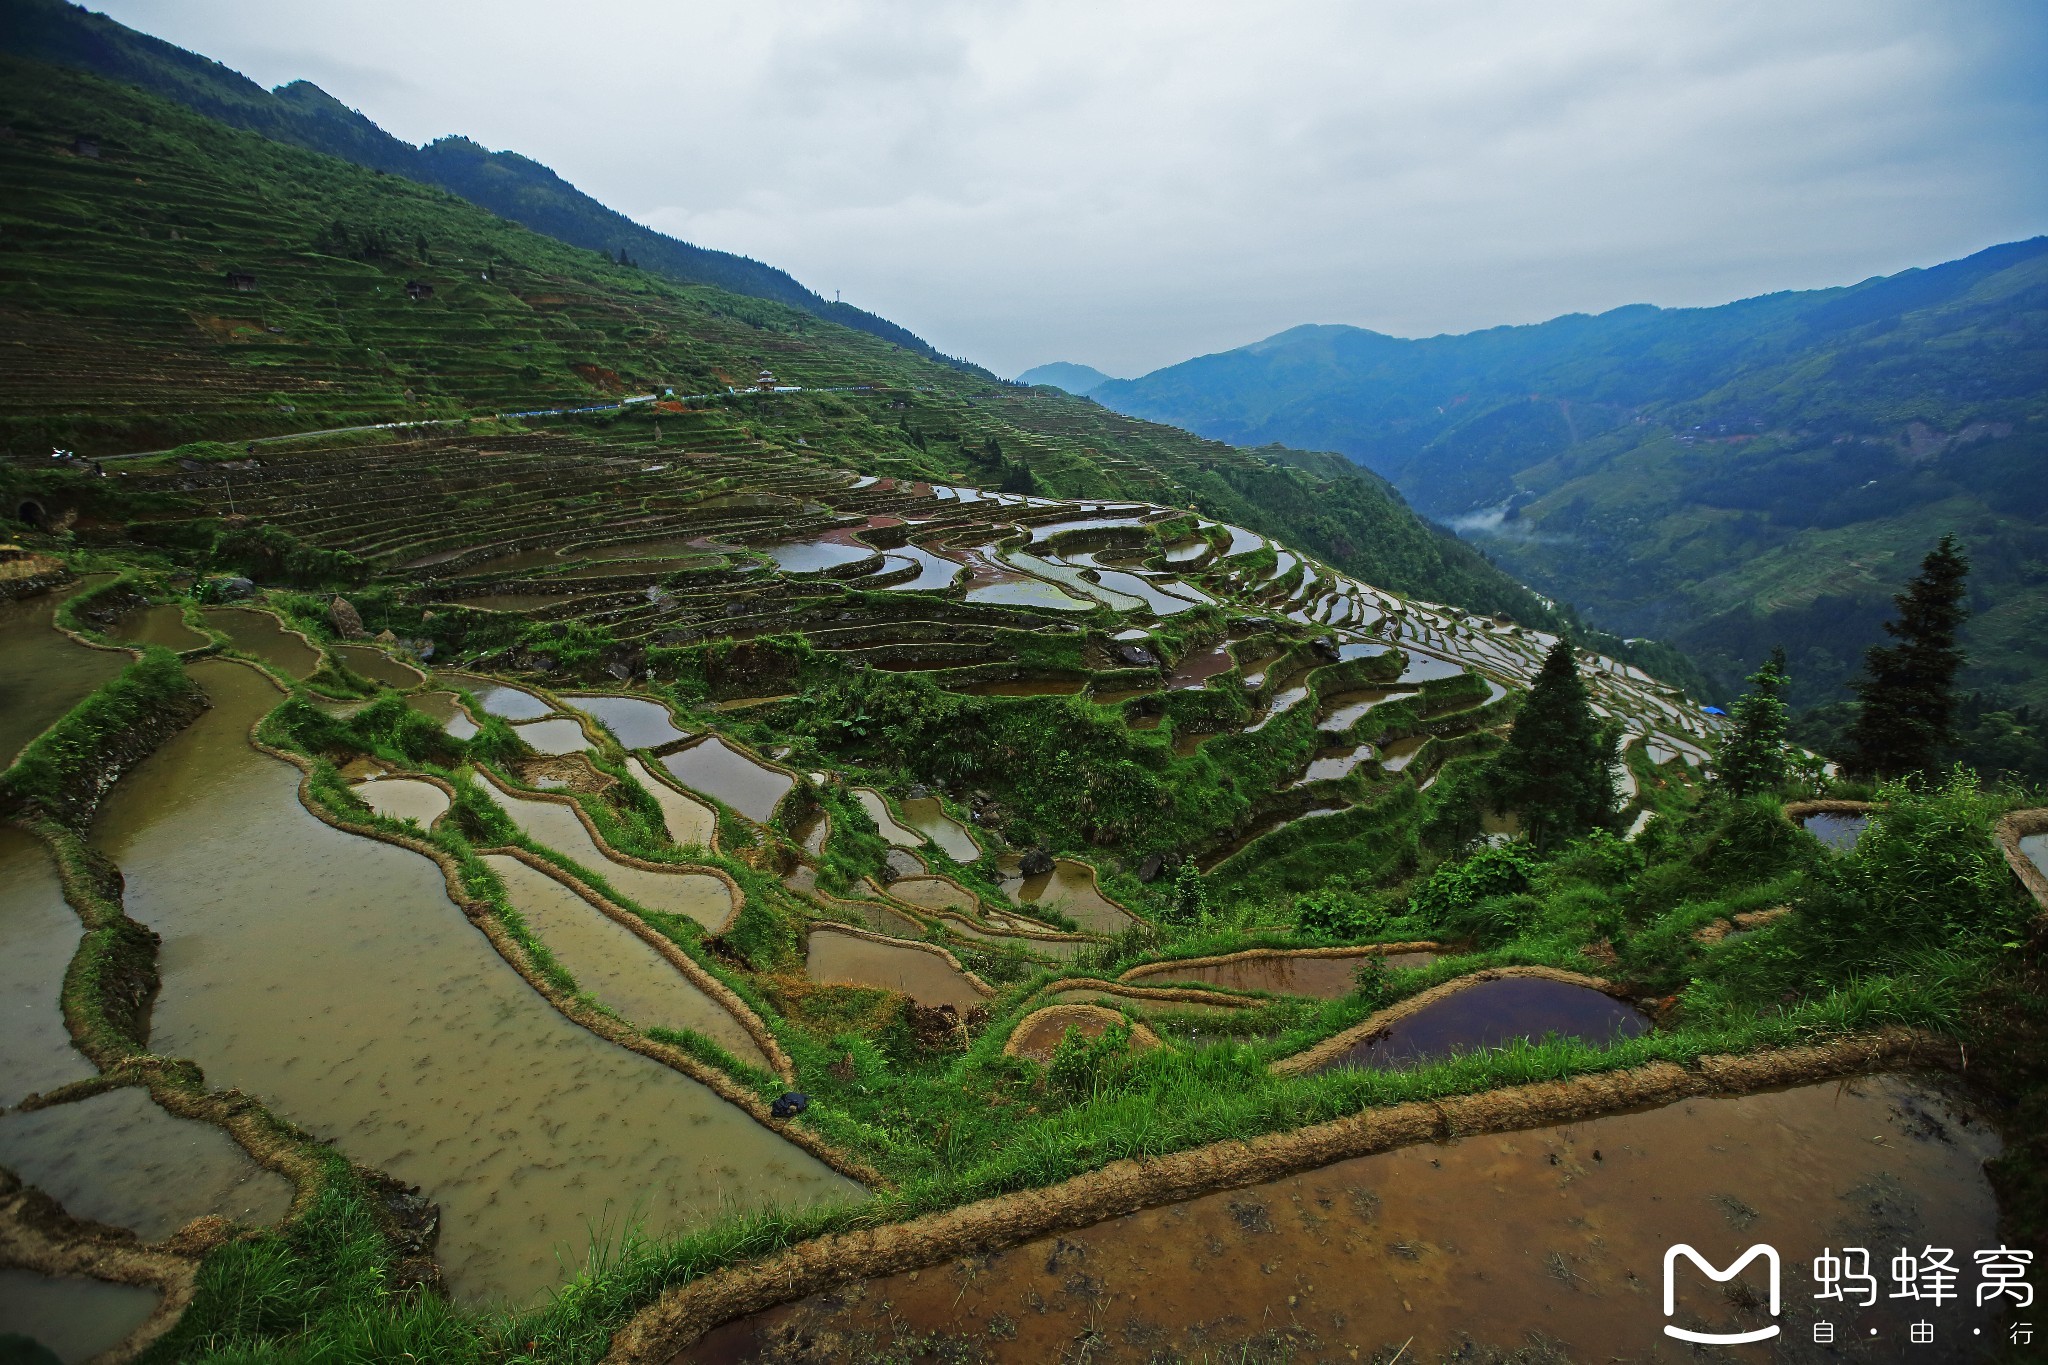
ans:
(928, 817)
(1027, 687)
(43, 672)
(330, 976)
(878, 811)
(935, 573)
(555, 825)
(378, 666)
(718, 770)
(1070, 889)
(833, 958)
(635, 722)
(119, 1158)
(445, 708)
(1321, 977)
(162, 624)
(689, 821)
(1040, 1035)
(41, 933)
(1838, 832)
(1027, 592)
(74, 1319)
(1428, 668)
(2035, 846)
(403, 798)
(1553, 1234)
(933, 893)
(502, 699)
(1398, 755)
(555, 736)
(1488, 1014)
(1348, 708)
(615, 965)
(263, 636)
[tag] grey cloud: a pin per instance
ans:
(1127, 185)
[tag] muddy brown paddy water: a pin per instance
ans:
(847, 960)
(1281, 973)
(162, 624)
(403, 798)
(925, 815)
(609, 961)
(1557, 1231)
(41, 933)
(74, 1319)
(378, 666)
(43, 672)
(555, 825)
(330, 976)
(717, 769)
(1070, 889)
(262, 635)
(119, 1158)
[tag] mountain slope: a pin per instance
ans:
(1079, 380)
(192, 281)
(1726, 478)
(304, 115)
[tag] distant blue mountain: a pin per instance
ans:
(1079, 380)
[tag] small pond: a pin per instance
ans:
(74, 1319)
(1487, 1014)
(845, 960)
(717, 769)
(119, 1158)
(1838, 832)
(260, 634)
(2035, 846)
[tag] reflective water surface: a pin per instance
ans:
(331, 976)
(40, 932)
(1558, 1232)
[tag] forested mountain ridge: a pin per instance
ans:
(190, 281)
(1724, 478)
(304, 115)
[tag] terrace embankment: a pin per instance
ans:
(1553, 1234)
(685, 1313)
(452, 1071)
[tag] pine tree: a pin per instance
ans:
(1908, 692)
(1753, 757)
(1557, 771)
(1190, 896)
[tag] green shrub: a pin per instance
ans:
(1455, 888)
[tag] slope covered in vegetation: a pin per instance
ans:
(1723, 478)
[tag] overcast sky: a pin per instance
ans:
(1130, 184)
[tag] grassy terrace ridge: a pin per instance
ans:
(123, 331)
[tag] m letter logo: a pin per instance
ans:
(1770, 1255)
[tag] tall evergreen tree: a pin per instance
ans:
(1557, 771)
(1752, 756)
(1908, 691)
